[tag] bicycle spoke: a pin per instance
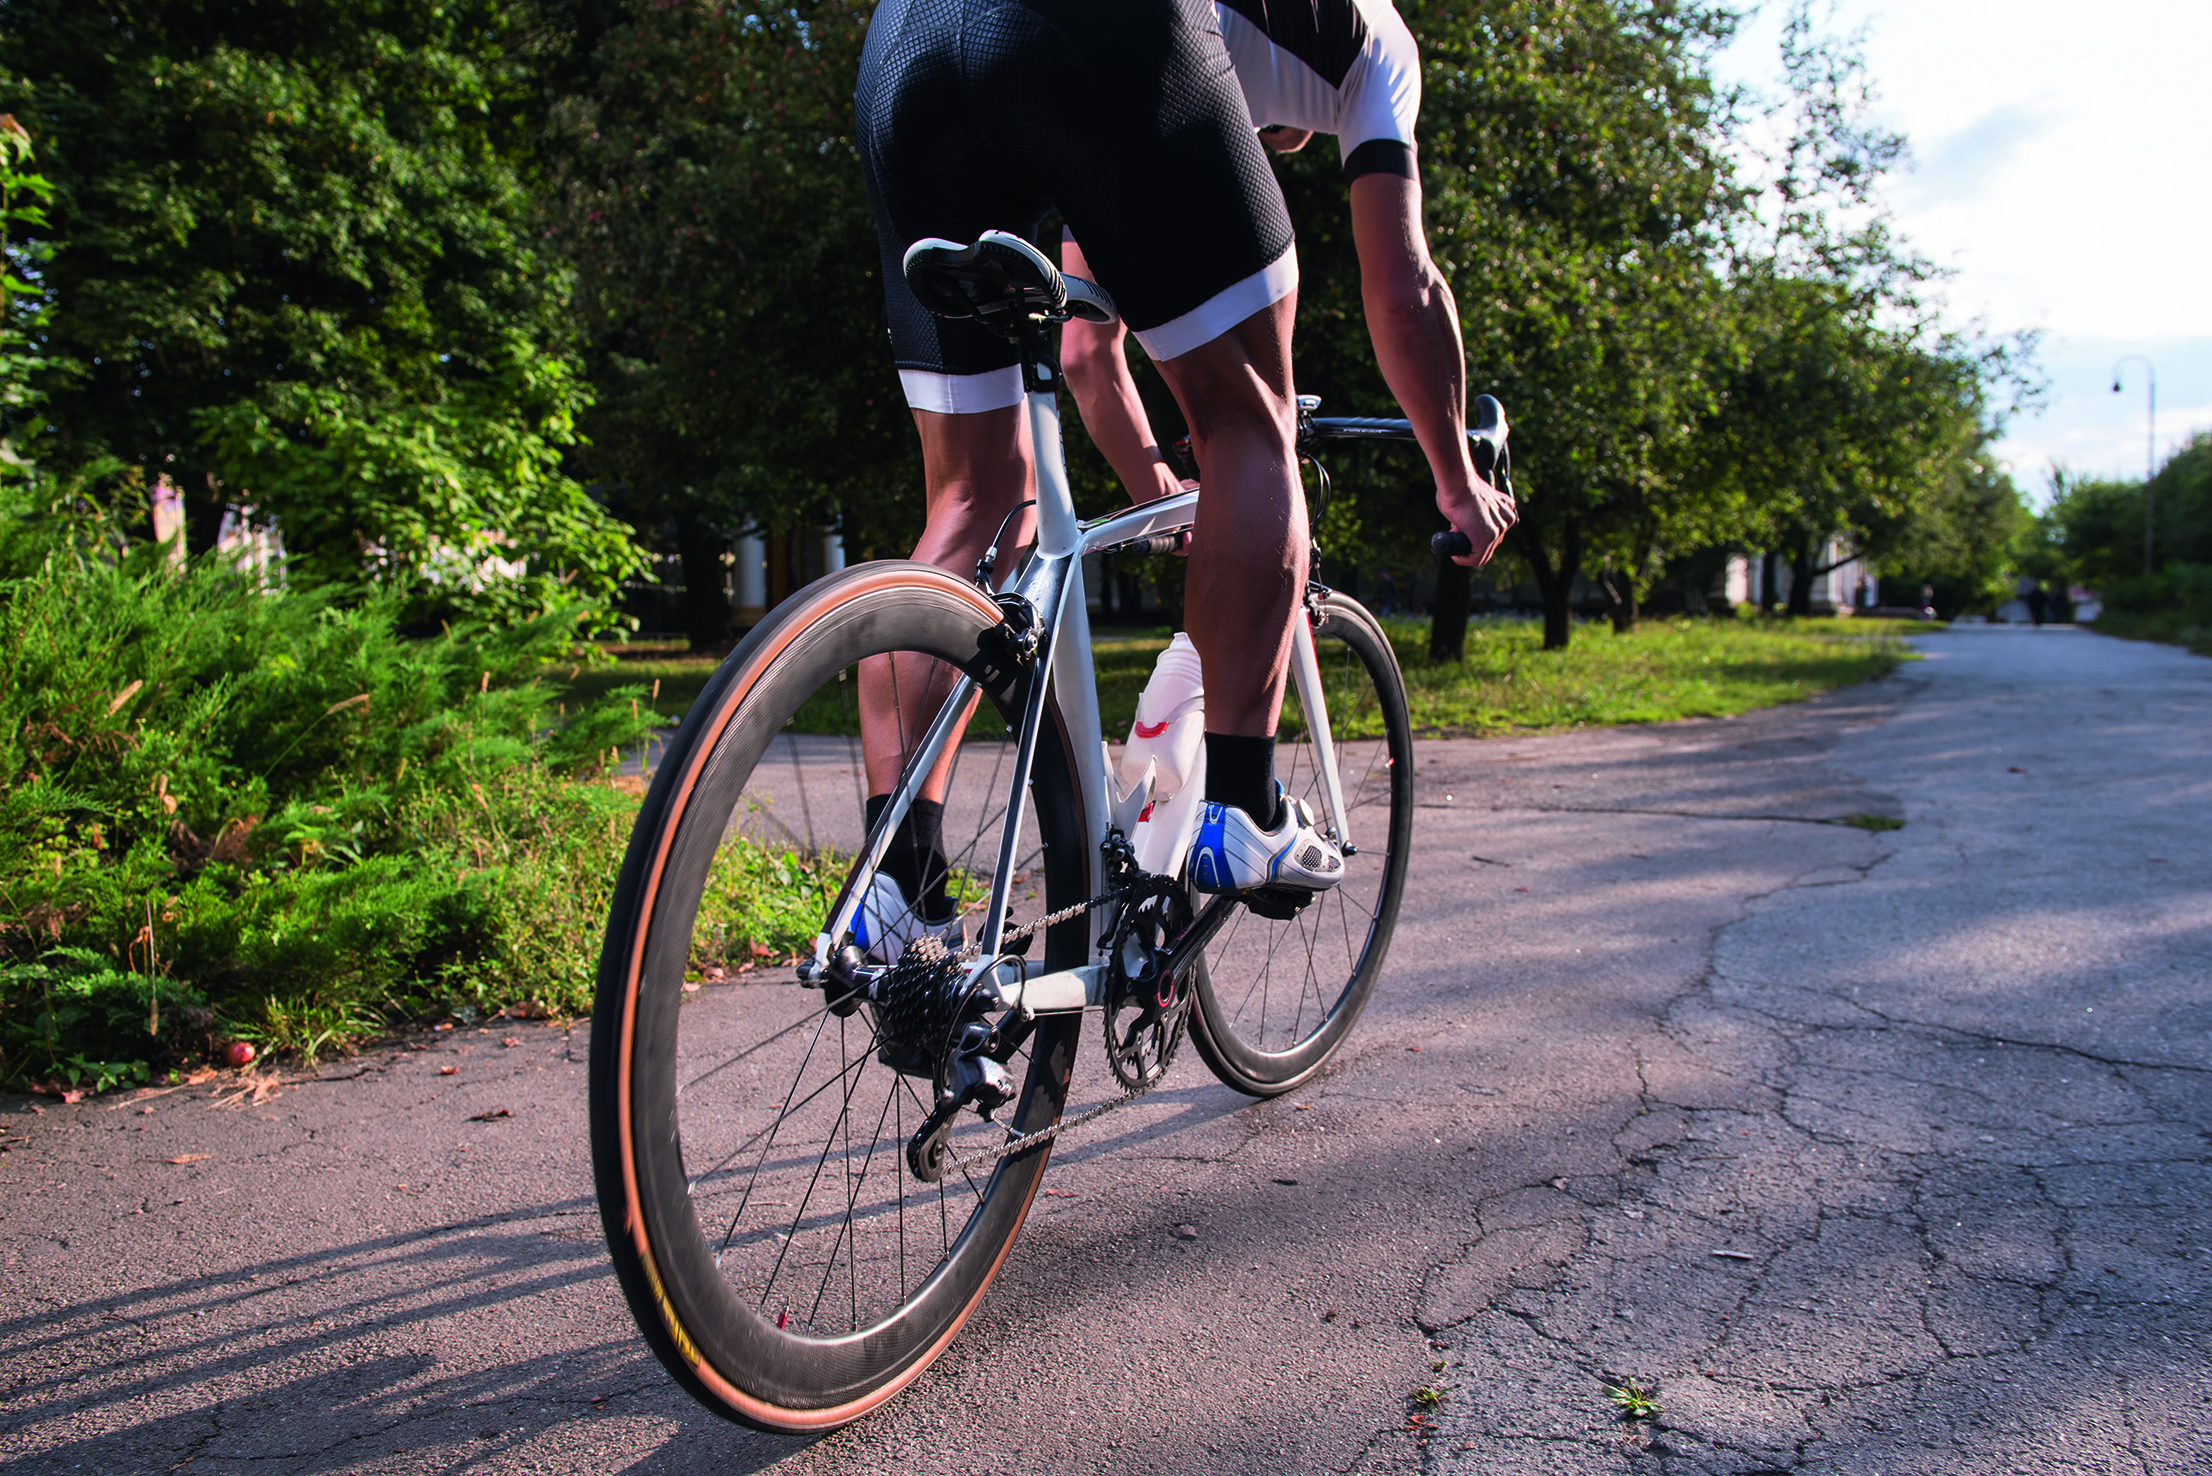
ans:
(844, 1107)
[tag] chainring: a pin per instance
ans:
(1146, 1007)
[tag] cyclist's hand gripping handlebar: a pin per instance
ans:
(1487, 437)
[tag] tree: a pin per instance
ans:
(23, 311)
(1572, 158)
(2097, 524)
(1843, 431)
(711, 198)
(1854, 424)
(293, 249)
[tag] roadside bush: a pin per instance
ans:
(231, 811)
(2175, 604)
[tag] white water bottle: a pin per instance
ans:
(1170, 729)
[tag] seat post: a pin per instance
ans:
(1057, 532)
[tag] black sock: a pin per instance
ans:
(1241, 772)
(915, 859)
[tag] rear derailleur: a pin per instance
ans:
(933, 1012)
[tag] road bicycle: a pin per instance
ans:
(810, 1171)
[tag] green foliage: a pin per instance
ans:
(1966, 534)
(463, 500)
(23, 306)
(2175, 604)
(294, 261)
(270, 812)
(1633, 1400)
(1574, 181)
(711, 198)
(2096, 526)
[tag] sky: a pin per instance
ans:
(2062, 169)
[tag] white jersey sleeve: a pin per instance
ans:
(1348, 68)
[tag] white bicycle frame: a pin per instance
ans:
(1051, 583)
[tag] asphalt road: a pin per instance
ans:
(1868, 1151)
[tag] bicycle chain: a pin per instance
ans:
(1038, 1139)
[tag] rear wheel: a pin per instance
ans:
(748, 1144)
(1276, 997)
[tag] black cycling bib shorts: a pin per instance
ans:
(1124, 115)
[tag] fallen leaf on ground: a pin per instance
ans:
(449, 1070)
(509, 1040)
(191, 1158)
(496, 1112)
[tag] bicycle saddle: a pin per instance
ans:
(1001, 281)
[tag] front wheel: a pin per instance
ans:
(749, 1142)
(1275, 998)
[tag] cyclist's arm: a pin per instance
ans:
(1091, 355)
(1415, 327)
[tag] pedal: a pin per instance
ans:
(1278, 903)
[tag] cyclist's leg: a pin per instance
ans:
(1248, 555)
(976, 469)
(962, 384)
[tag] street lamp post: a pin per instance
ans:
(2150, 450)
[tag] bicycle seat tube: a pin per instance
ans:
(1051, 582)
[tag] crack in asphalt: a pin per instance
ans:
(1923, 1200)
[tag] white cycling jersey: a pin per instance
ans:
(1342, 67)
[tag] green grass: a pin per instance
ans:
(666, 669)
(2169, 628)
(1663, 671)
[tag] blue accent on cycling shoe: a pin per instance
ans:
(1210, 857)
(861, 940)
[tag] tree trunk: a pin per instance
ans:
(1621, 590)
(1801, 582)
(1557, 586)
(706, 604)
(1448, 615)
(1770, 573)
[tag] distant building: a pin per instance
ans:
(1832, 589)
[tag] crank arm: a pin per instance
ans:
(1209, 921)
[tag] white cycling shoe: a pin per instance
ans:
(886, 926)
(1232, 853)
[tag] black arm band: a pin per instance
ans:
(1381, 156)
